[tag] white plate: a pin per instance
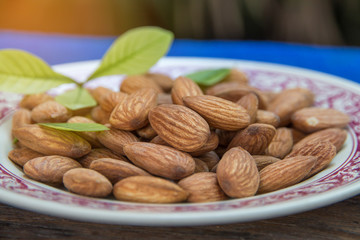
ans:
(338, 182)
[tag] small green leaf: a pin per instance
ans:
(76, 99)
(76, 127)
(209, 77)
(135, 52)
(22, 72)
(15, 140)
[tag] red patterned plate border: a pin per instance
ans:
(338, 182)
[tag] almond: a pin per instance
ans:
(289, 101)
(99, 115)
(210, 158)
(219, 113)
(51, 141)
(22, 155)
(49, 169)
(50, 111)
(164, 98)
(236, 76)
(146, 132)
(203, 187)
(160, 141)
(134, 83)
(88, 136)
(285, 173)
(251, 103)
(32, 100)
(99, 92)
(225, 137)
(297, 135)
(237, 173)
(148, 189)
(116, 139)
(336, 136)
(184, 87)
(224, 87)
(98, 153)
(179, 126)
(266, 117)
(200, 166)
(314, 119)
(160, 160)
(115, 170)
(210, 145)
(21, 118)
(132, 113)
(109, 101)
(263, 160)
(281, 143)
(87, 182)
(164, 81)
(254, 139)
(325, 151)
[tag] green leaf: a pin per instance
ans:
(76, 127)
(22, 72)
(209, 77)
(76, 99)
(135, 52)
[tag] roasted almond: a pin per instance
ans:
(50, 111)
(115, 170)
(184, 87)
(251, 103)
(285, 173)
(132, 113)
(49, 169)
(97, 153)
(51, 141)
(203, 187)
(219, 113)
(237, 173)
(160, 160)
(88, 136)
(254, 139)
(281, 144)
(264, 160)
(148, 189)
(87, 182)
(266, 117)
(20, 156)
(134, 83)
(314, 119)
(179, 126)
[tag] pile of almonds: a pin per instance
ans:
(172, 141)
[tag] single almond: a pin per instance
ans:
(164, 81)
(285, 173)
(183, 87)
(51, 141)
(99, 115)
(116, 139)
(254, 139)
(50, 111)
(146, 132)
(99, 92)
(203, 187)
(132, 113)
(325, 151)
(97, 153)
(160, 160)
(281, 144)
(20, 156)
(264, 160)
(148, 189)
(88, 136)
(236, 75)
(109, 101)
(210, 158)
(237, 173)
(21, 118)
(32, 100)
(134, 83)
(218, 112)
(266, 117)
(179, 126)
(49, 169)
(115, 170)
(87, 182)
(314, 119)
(224, 87)
(251, 103)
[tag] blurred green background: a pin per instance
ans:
(328, 22)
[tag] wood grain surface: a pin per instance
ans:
(338, 221)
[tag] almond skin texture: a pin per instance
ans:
(325, 151)
(20, 156)
(99, 93)
(237, 173)
(236, 76)
(116, 139)
(109, 101)
(87, 182)
(160, 160)
(132, 113)
(49, 169)
(289, 101)
(210, 145)
(219, 113)
(263, 160)
(21, 118)
(251, 103)
(134, 83)
(148, 189)
(281, 143)
(313, 119)
(49, 141)
(115, 170)
(164, 98)
(164, 81)
(203, 187)
(179, 126)
(267, 117)
(184, 87)
(285, 173)
(254, 139)
(32, 100)
(88, 136)
(50, 111)
(98, 153)
(336, 136)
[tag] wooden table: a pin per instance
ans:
(338, 221)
